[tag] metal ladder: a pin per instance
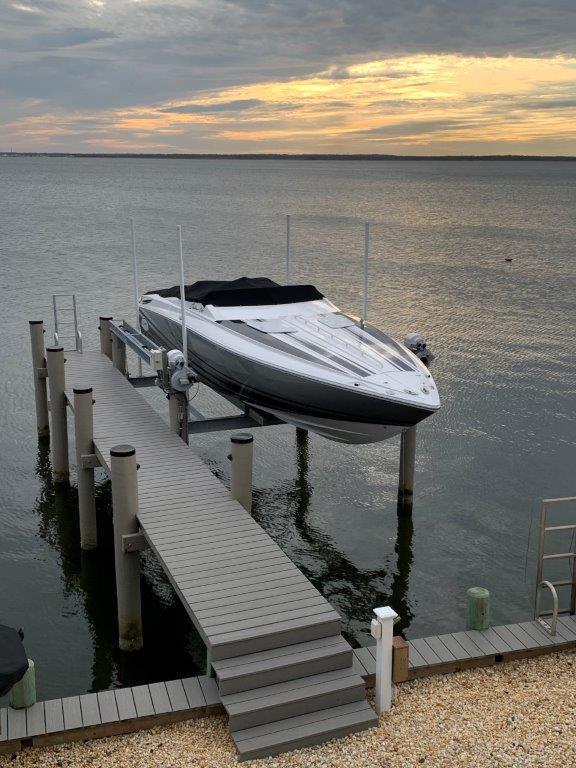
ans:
(543, 558)
(70, 312)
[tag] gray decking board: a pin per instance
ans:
(142, 701)
(54, 715)
(428, 654)
(125, 703)
(160, 698)
(89, 709)
(35, 720)
(512, 641)
(194, 694)
(108, 707)
(177, 695)
(3, 724)
(455, 648)
(440, 649)
(72, 712)
(209, 691)
(16, 723)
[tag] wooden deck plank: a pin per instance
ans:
(415, 659)
(366, 659)
(194, 695)
(89, 709)
(108, 707)
(35, 720)
(125, 703)
(440, 649)
(522, 636)
(16, 724)
(455, 648)
(511, 640)
(142, 701)
(3, 724)
(209, 691)
(160, 698)
(72, 712)
(54, 716)
(482, 642)
(176, 694)
(468, 644)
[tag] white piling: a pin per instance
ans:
(241, 457)
(135, 281)
(366, 266)
(119, 354)
(407, 470)
(39, 373)
(124, 513)
(84, 433)
(178, 414)
(382, 629)
(59, 427)
(182, 297)
(105, 336)
(288, 252)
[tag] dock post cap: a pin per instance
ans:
(105, 317)
(122, 450)
(81, 389)
(35, 322)
(478, 592)
(242, 437)
(386, 613)
(54, 349)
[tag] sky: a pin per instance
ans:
(418, 77)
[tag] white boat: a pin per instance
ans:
(290, 352)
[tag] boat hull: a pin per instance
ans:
(335, 412)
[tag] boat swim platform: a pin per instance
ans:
(126, 710)
(273, 640)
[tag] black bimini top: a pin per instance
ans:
(244, 292)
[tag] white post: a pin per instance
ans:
(105, 336)
(382, 629)
(84, 432)
(366, 255)
(59, 428)
(182, 297)
(288, 254)
(39, 368)
(125, 520)
(136, 282)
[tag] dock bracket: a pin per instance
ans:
(90, 461)
(134, 542)
(42, 373)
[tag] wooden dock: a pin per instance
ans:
(453, 652)
(124, 710)
(273, 639)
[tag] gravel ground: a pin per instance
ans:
(516, 714)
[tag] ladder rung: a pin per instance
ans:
(563, 583)
(560, 528)
(560, 556)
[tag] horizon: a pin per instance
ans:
(441, 78)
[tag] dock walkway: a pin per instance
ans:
(286, 676)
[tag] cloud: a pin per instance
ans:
(239, 105)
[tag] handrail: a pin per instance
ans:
(554, 622)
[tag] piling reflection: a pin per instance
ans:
(172, 647)
(352, 590)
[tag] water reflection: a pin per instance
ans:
(172, 648)
(352, 590)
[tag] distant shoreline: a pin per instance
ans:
(278, 156)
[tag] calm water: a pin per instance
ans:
(503, 335)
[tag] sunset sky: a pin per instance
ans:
(337, 76)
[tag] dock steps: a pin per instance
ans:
(278, 665)
(304, 730)
(292, 697)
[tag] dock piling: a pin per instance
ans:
(84, 433)
(406, 471)
(23, 693)
(39, 368)
(105, 336)
(241, 458)
(477, 608)
(124, 513)
(59, 429)
(178, 414)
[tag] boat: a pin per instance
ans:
(288, 351)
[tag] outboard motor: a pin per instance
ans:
(181, 376)
(416, 344)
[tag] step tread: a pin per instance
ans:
(304, 730)
(291, 691)
(287, 655)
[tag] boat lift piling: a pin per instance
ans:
(105, 336)
(135, 282)
(241, 461)
(39, 369)
(85, 463)
(127, 561)
(59, 427)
